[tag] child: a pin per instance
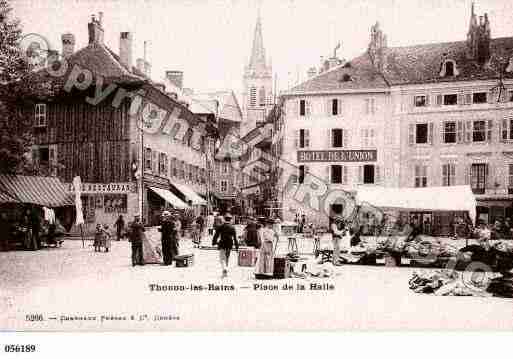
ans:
(98, 238)
(106, 238)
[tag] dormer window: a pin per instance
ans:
(449, 69)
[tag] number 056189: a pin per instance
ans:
(19, 348)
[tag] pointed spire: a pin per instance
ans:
(257, 58)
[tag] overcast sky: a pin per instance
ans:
(210, 40)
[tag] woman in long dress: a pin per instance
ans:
(265, 262)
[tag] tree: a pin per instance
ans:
(15, 129)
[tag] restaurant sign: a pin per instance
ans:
(125, 187)
(338, 156)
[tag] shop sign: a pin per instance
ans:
(338, 156)
(124, 187)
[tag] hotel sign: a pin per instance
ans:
(338, 156)
(104, 187)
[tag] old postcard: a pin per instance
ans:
(256, 165)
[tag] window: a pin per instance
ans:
(337, 137)
(301, 176)
(40, 115)
(420, 101)
(449, 68)
(510, 96)
(510, 181)
(368, 137)
(174, 169)
(303, 138)
(370, 106)
(449, 132)
(450, 100)
(420, 176)
(163, 164)
(479, 97)
(225, 167)
(252, 97)
(302, 107)
(181, 169)
(261, 96)
(421, 133)
(368, 174)
(448, 174)
(335, 107)
(338, 174)
(478, 174)
(44, 156)
(507, 129)
(479, 131)
(224, 186)
(147, 159)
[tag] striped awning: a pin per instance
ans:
(189, 194)
(43, 191)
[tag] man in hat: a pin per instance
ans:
(337, 231)
(227, 239)
(135, 236)
(168, 238)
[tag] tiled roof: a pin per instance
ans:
(356, 74)
(422, 63)
(409, 65)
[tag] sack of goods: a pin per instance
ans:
(186, 260)
(247, 256)
(281, 268)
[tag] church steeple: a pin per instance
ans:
(257, 58)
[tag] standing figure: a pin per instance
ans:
(252, 234)
(120, 227)
(210, 224)
(98, 234)
(265, 262)
(106, 238)
(136, 233)
(337, 231)
(168, 238)
(227, 239)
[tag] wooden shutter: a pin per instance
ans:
(308, 109)
(296, 139)
(340, 105)
(411, 134)
(328, 174)
(461, 99)
(490, 176)
(307, 138)
(377, 174)
(468, 99)
(327, 104)
(489, 131)
(345, 138)
(439, 99)
(442, 132)
(466, 168)
(360, 174)
(344, 175)
(427, 100)
(459, 132)
(330, 138)
(430, 133)
(468, 131)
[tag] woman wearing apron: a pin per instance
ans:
(265, 263)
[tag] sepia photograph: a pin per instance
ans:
(255, 165)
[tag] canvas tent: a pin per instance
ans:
(450, 198)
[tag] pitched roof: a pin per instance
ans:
(229, 108)
(422, 63)
(357, 74)
(409, 65)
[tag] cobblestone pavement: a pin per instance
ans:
(72, 282)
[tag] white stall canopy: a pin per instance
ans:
(450, 198)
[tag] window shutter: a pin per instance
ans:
(296, 139)
(340, 106)
(411, 134)
(459, 132)
(154, 161)
(427, 100)
(439, 99)
(490, 176)
(330, 138)
(328, 179)
(327, 109)
(503, 127)
(345, 138)
(489, 131)
(461, 99)
(430, 133)
(442, 132)
(294, 107)
(307, 138)
(308, 110)
(305, 172)
(377, 174)
(360, 174)
(468, 131)
(467, 173)
(490, 96)
(468, 98)
(344, 175)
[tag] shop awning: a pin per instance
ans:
(189, 193)
(42, 191)
(450, 198)
(169, 197)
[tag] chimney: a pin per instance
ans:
(175, 77)
(147, 68)
(125, 49)
(68, 44)
(95, 30)
(312, 71)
